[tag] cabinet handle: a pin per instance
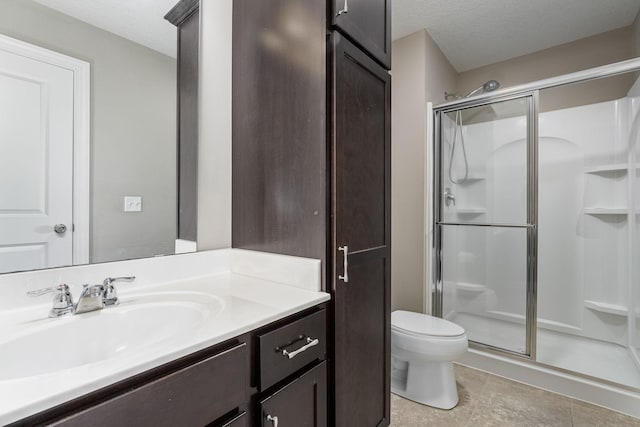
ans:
(309, 343)
(274, 420)
(345, 9)
(345, 261)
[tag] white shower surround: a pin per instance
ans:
(588, 233)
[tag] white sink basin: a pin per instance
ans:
(137, 324)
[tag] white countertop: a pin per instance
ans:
(231, 304)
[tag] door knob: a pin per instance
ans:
(60, 228)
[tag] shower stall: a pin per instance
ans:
(536, 236)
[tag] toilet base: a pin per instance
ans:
(429, 383)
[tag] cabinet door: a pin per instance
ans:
(301, 403)
(368, 23)
(361, 223)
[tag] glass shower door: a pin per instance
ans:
(485, 222)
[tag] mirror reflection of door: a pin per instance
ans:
(37, 131)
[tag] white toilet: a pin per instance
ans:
(422, 351)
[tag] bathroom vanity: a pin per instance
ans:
(220, 384)
(240, 338)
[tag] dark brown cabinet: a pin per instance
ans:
(311, 172)
(300, 403)
(368, 24)
(361, 217)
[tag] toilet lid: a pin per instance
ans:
(423, 324)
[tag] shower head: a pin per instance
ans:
(489, 86)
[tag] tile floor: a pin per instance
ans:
(488, 400)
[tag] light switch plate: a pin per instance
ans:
(133, 203)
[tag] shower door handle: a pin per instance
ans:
(345, 261)
(345, 9)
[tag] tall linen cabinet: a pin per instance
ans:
(311, 171)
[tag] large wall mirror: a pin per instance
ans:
(98, 139)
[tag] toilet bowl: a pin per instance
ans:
(423, 348)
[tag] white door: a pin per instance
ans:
(36, 163)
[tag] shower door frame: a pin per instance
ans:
(531, 225)
(513, 92)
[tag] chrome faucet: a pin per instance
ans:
(92, 297)
(449, 197)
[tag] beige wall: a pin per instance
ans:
(441, 77)
(421, 73)
(133, 133)
(601, 49)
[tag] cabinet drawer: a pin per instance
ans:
(291, 347)
(301, 403)
(192, 396)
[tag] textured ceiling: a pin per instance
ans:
(141, 21)
(473, 33)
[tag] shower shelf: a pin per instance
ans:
(471, 211)
(606, 211)
(614, 167)
(605, 307)
(473, 178)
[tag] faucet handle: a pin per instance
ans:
(39, 292)
(62, 301)
(110, 295)
(109, 280)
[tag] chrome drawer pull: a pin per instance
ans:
(310, 343)
(274, 420)
(345, 261)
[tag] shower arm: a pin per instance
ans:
(475, 91)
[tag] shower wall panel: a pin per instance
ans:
(587, 237)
